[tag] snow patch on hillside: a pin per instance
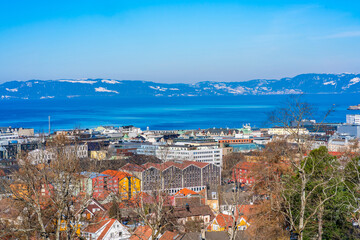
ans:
(11, 89)
(110, 81)
(237, 90)
(101, 89)
(78, 81)
(158, 88)
(47, 97)
(352, 82)
(329, 83)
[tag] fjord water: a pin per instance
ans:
(161, 112)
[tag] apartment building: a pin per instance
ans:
(353, 119)
(185, 152)
(46, 155)
(283, 131)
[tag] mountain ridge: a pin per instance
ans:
(311, 83)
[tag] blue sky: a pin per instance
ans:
(177, 41)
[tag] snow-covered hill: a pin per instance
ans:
(68, 88)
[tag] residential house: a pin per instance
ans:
(102, 185)
(106, 229)
(128, 185)
(224, 222)
(142, 233)
(188, 213)
(242, 173)
(92, 209)
(210, 197)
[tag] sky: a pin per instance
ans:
(177, 41)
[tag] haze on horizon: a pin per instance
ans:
(177, 41)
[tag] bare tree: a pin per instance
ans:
(299, 189)
(50, 190)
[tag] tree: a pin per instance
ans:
(115, 211)
(302, 192)
(267, 220)
(50, 191)
(229, 162)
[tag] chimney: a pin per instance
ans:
(187, 206)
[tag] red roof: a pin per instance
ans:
(108, 226)
(245, 210)
(185, 192)
(245, 165)
(168, 235)
(93, 228)
(141, 233)
(118, 174)
(132, 167)
(224, 220)
(168, 164)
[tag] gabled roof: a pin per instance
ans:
(170, 236)
(132, 167)
(165, 165)
(182, 212)
(94, 204)
(93, 228)
(141, 233)
(245, 165)
(108, 226)
(224, 220)
(117, 174)
(185, 192)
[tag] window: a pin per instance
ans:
(120, 234)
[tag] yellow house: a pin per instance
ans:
(98, 155)
(223, 222)
(128, 184)
(211, 199)
(63, 227)
(19, 190)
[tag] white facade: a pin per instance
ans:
(206, 154)
(39, 156)
(287, 131)
(148, 149)
(353, 119)
(116, 231)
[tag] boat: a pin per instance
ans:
(355, 107)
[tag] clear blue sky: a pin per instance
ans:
(177, 41)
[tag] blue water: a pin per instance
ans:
(160, 113)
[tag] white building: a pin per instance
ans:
(207, 154)
(353, 119)
(147, 149)
(130, 131)
(106, 229)
(287, 131)
(39, 156)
